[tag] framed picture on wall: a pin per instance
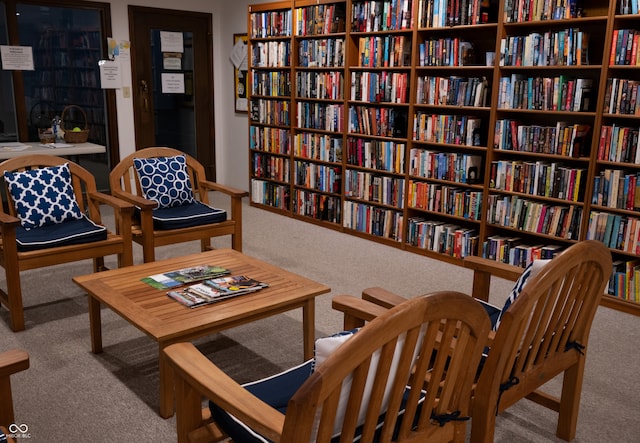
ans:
(239, 58)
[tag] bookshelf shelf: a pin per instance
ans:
(416, 99)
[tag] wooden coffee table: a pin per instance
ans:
(167, 321)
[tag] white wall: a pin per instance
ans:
(231, 139)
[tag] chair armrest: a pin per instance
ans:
(382, 297)
(117, 204)
(136, 200)
(356, 311)
(8, 220)
(230, 191)
(484, 269)
(211, 382)
(12, 361)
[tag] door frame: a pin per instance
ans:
(165, 19)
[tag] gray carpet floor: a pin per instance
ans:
(70, 394)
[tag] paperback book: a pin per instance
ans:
(184, 276)
(215, 290)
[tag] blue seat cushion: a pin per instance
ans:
(72, 232)
(185, 216)
(276, 392)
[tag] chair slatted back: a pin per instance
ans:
(438, 338)
(546, 329)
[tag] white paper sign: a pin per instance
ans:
(239, 55)
(171, 41)
(19, 58)
(172, 83)
(110, 75)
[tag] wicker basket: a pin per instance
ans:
(74, 136)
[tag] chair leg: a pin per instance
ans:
(570, 401)
(483, 422)
(14, 301)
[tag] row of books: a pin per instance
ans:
(444, 13)
(514, 251)
(566, 47)
(270, 112)
(621, 96)
(452, 91)
(616, 231)
(446, 51)
(327, 52)
(316, 146)
(451, 129)
(271, 83)
(559, 93)
(516, 11)
(388, 51)
(376, 154)
(215, 290)
(619, 144)
(270, 24)
(324, 116)
(545, 179)
(319, 177)
(531, 216)
(624, 47)
(374, 188)
(269, 166)
(628, 7)
(373, 220)
(618, 189)
(449, 200)
(275, 140)
(378, 121)
(377, 87)
(270, 194)
(625, 280)
(320, 85)
(317, 206)
(441, 237)
(451, 166)
(381, 15)
(566, 139)
(320, 19)
(271, 54)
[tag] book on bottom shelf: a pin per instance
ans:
(215, 290)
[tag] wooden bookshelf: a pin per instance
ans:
(446, 129)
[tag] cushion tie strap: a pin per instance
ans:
(513, 380)
(575, 345)
(443, 419)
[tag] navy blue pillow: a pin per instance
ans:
(165, 180)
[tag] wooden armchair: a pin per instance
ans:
(156, 224)
(11, 361)
(438, 338)
(65, 227)
(543, 333)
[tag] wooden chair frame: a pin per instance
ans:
(448, 327)
(125, 185)
(89, 201)
(544, 333)
(11, 362)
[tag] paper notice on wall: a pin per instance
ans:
(18, 58)
(172, 83)
(110, 74)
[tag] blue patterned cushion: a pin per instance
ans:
(71, 232)
(43, 196)
(195, 214)
(165, 180)
(530, 271)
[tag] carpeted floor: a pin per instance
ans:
(72, 395)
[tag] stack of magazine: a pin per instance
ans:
(184, 276)
(215, 289)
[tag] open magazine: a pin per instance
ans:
(214, 290)
(184, 276)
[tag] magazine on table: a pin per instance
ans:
(184, 276)
(215, 290)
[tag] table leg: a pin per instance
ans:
(309, 327)
(166, 384)
(95, 325)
